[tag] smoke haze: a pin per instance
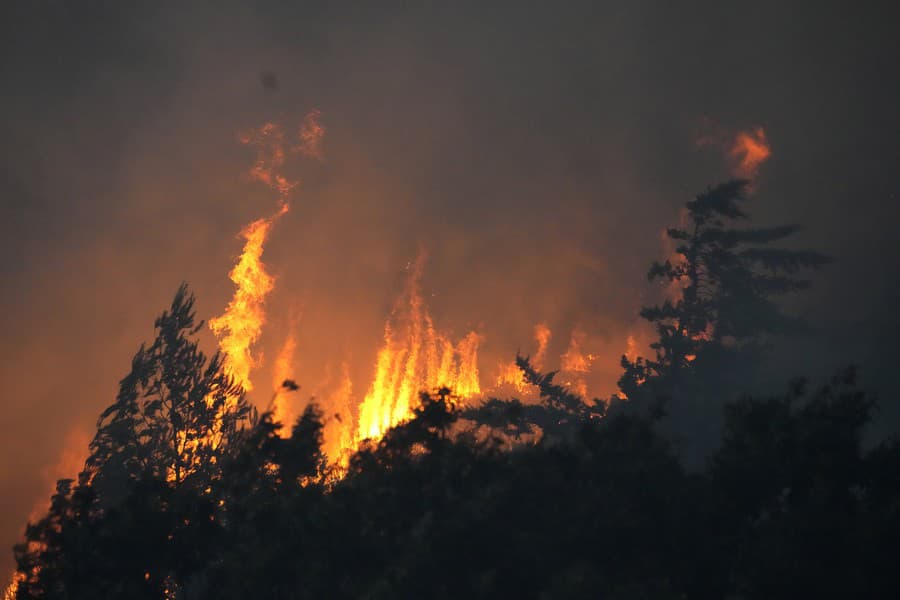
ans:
(535, 153)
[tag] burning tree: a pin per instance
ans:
(724, 281)
(246, 513)
(176, 413)
(144, 504)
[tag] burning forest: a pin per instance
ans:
(193, 445)
(467, 303)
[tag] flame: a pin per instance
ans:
(268, 141)
(241, 324)
(311, 134)
(542, 337)
(747, 150)
(282, 411)
(511, 375)
(12, 589)
(467, 382)
(750, 149)
(414, 357)
(631, 352)
(574, 360)
(70, 462)
(240, 327)
(575, 363)
(338, 433)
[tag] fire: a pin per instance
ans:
(631, 352)
(270, 155)
(574, 360)
(746, 150)
(338, 434)
(311, 134)
(576, 364)
(284, 370)
(241, 324)
(12, 589)
(466, 383)
(750, 149)
(414, 357)
(70, 462)
(511, 375)
(542, 337)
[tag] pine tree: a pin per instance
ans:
(729, 279)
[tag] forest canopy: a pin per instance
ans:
(189, 492)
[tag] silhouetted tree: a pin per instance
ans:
(142, 512)
(598, 505)
(558, 415)
(791, 474)
(176, 413)
(269, 502)
(727, 279)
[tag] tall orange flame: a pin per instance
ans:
(338, 434)
(240, 326)
(415, 357)
(542, 337)
(282, 411)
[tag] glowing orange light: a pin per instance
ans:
(510, 375)
(13, 588)
(338, 434)
(284, 370)
(415, 357)
(631, 352)
(575, 363)
(241, 324)
(750, 149)
(311, 134)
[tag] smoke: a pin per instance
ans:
(535, 153)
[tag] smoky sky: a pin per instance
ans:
(535, 151)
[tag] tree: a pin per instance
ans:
(806, 510)
(728, 280)
(557, 416)
(141, 513)
(176, 412)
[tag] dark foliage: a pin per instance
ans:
(727, 279)
(720, 313)
(790, 506)
(188, 495)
